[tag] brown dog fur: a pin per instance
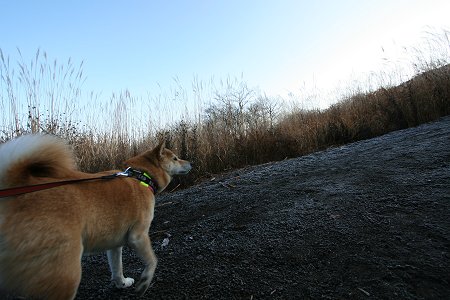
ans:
(44, 234)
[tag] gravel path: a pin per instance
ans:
(369, 220)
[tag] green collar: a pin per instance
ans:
(145, 179)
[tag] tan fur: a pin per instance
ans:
(44, 234)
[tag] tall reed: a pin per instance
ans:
(230, 124)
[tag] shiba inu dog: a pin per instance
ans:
(43, 234)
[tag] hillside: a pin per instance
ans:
(368, 220)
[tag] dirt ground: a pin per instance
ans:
(369, 220)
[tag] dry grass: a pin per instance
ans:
(238, 127)
(38, 96)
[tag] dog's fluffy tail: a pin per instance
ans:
(33, 156)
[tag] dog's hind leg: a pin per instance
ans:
(67, 285)
(39, 261)
(141, 243)
(115, 265)
(59, 278)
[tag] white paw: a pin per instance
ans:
(142, 286)
(127, 282)
(124, 282)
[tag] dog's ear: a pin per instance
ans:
(160, 148)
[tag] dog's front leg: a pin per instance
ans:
(141, 243)
(115, 265)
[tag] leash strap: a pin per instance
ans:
(143, 177)
(15, 191)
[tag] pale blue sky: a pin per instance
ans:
(279, 46)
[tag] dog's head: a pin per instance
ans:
(161, 164)
(171, 163)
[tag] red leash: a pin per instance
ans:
(38, 187)
(143, 177)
